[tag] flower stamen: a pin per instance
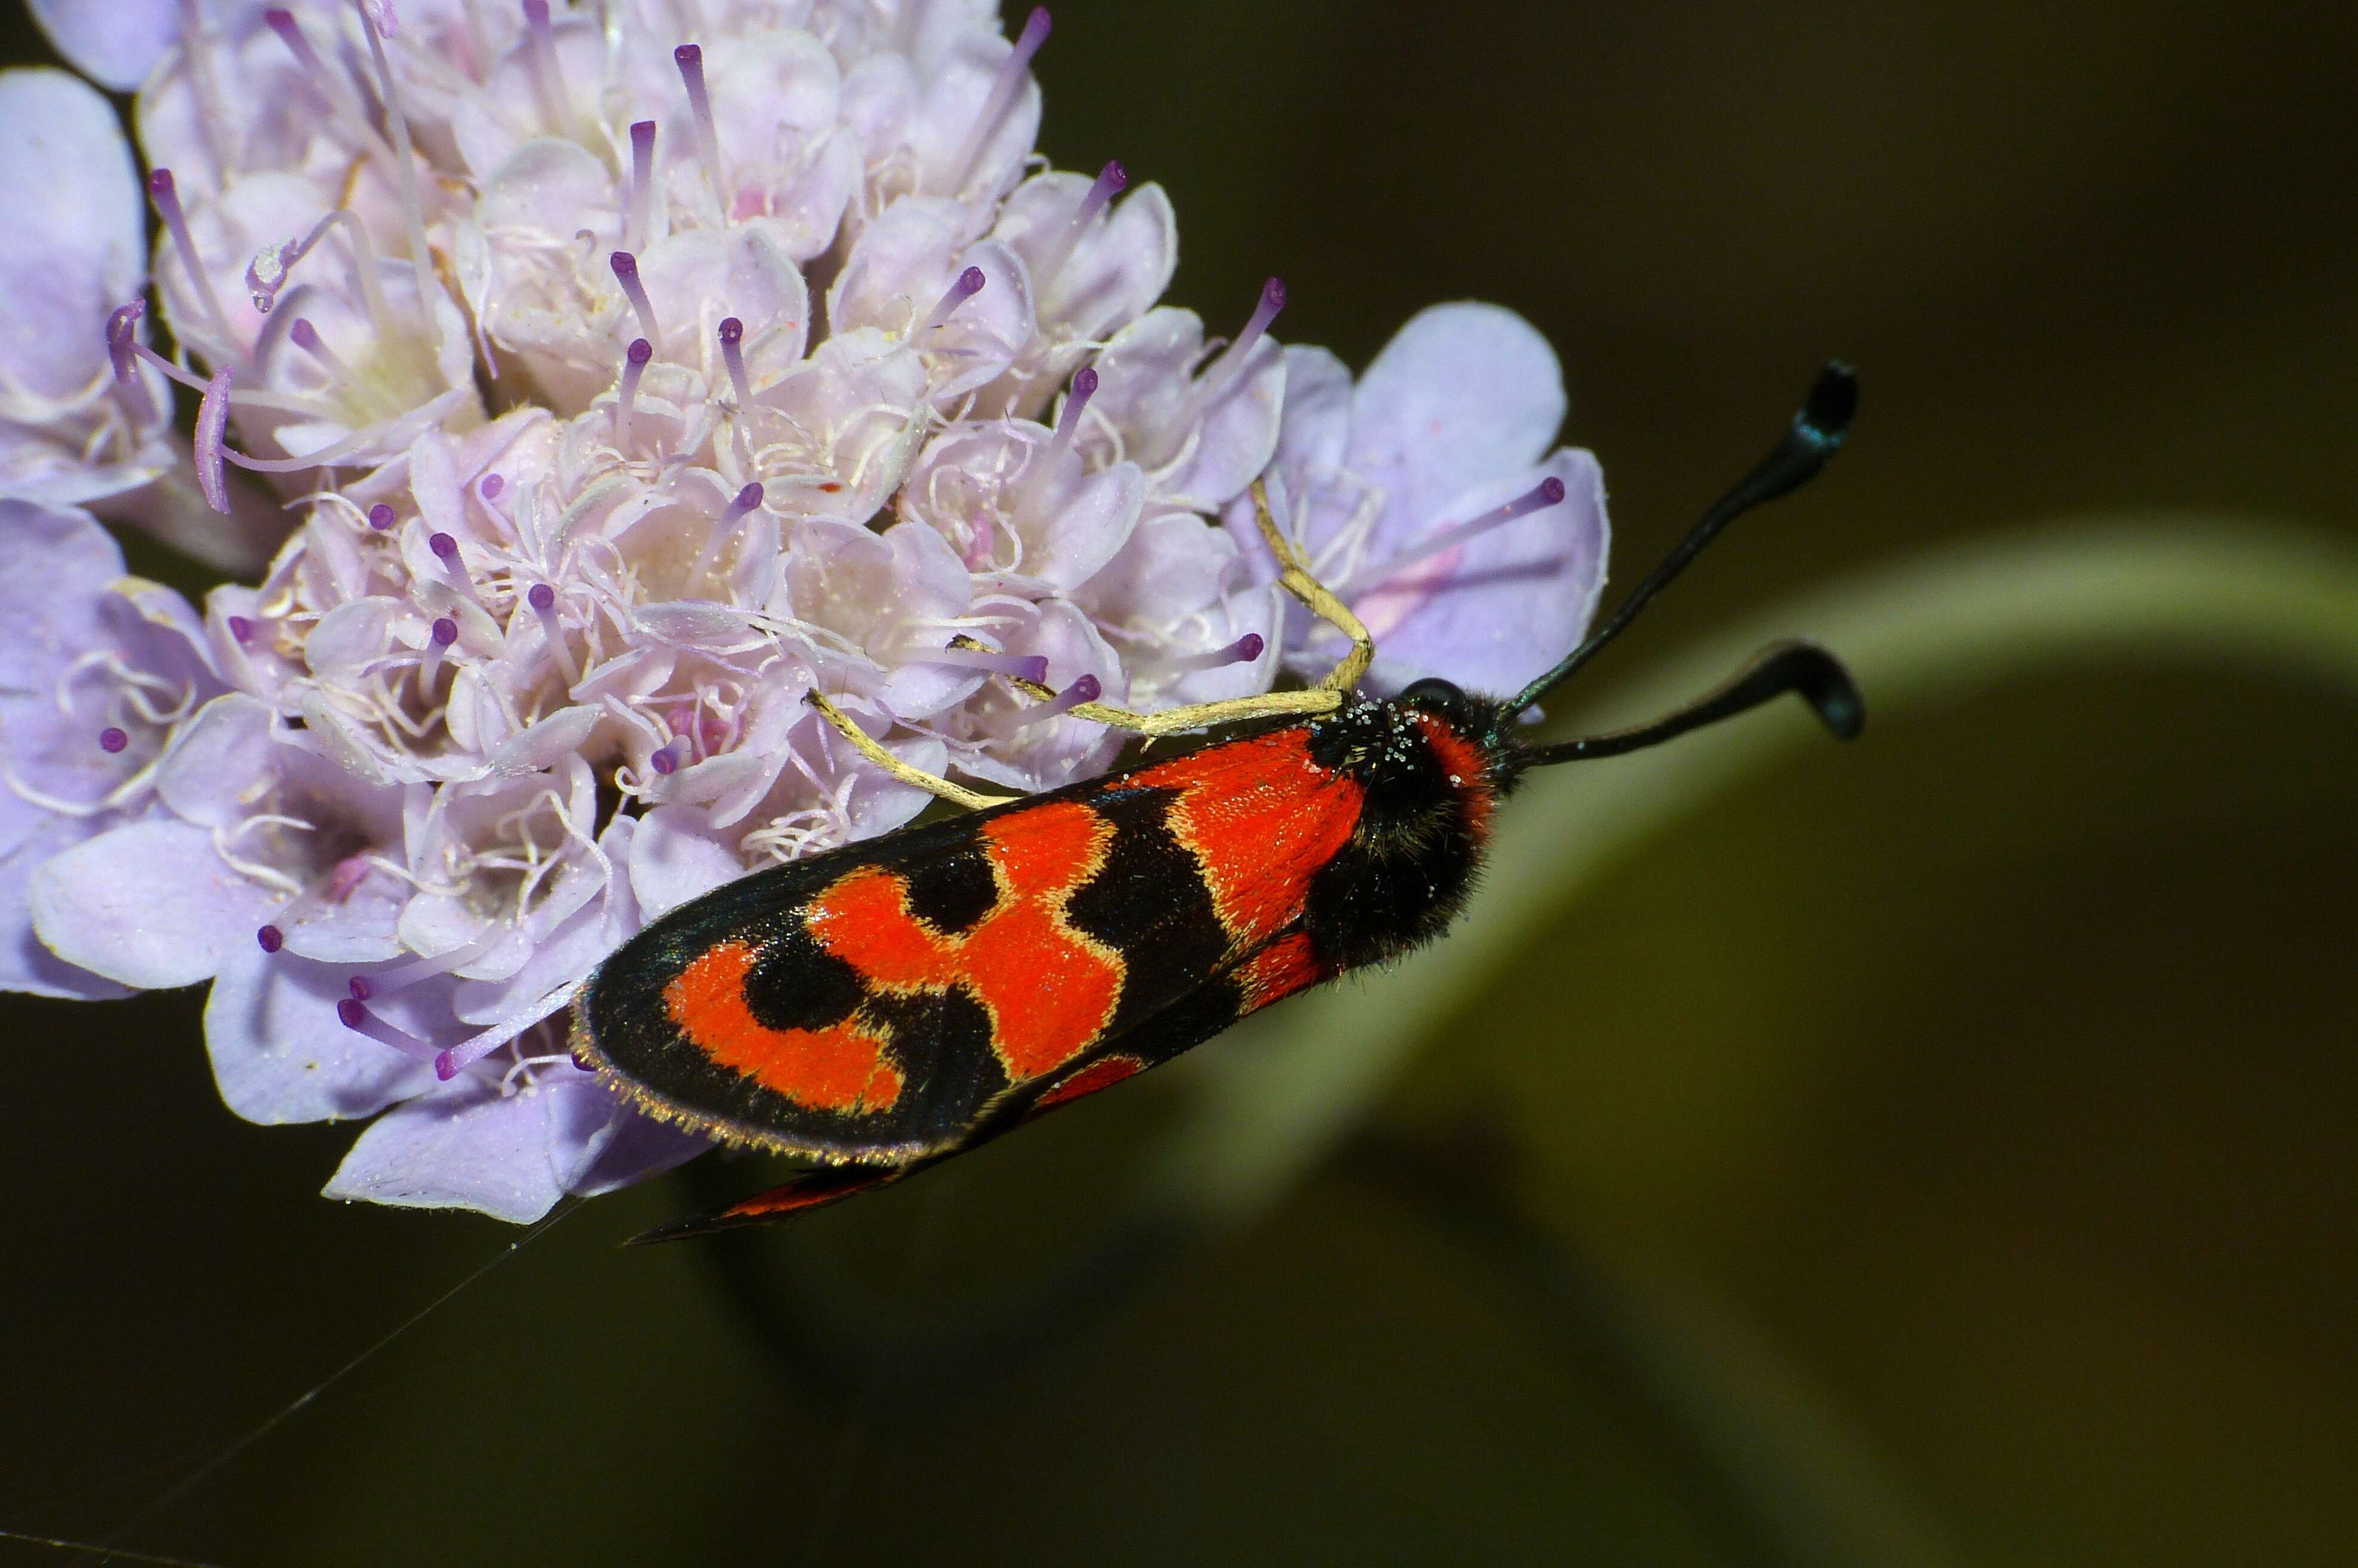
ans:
(1109, 183)
(626, 272)
(1004, 94)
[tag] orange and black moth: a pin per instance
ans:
(886, 1005)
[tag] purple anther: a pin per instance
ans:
(212, 422)
(1548, 493)
(1004, 91)
(490, 485)
(271, 938)
(166, 197)
(582, 1062)
(642, 182)
(541, 598)
(665, 759)
(965, 286)
(626, 272)
(359, 988)
(626, 395)
(444, 633)
(380, 516)
(747, 499)
(111, 741)
(443, 546)
(241, 629)
(690, 61)
(122, 335)
(1109, 184)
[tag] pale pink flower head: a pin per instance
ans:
(609, 392)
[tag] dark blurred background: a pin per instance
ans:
(1935, 1150)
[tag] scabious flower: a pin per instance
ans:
(623, 378)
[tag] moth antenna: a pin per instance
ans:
(1816, 435)
(1802, 669)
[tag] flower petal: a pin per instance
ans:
(1467, 394)
(72, 247)
(1495, 612)
(116, 43)
(279, 1052)
(150, 904)
(468, 1146)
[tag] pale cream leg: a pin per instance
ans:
(866, 746)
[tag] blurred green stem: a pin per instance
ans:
(1271, 1101)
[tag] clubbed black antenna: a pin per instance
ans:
(1816, 435)
(1803, 668)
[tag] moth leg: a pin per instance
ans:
(1325, 697)
(1295, 577)
(865, 744)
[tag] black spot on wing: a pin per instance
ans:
(797, 984)
(950, 891)
(1148, 903)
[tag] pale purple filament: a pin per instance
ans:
(1068, 422)
(359, 1019)
(1088, 689)
(440, 637)
(166, 196)
(454, 565)
(1548, 493)
(542, 596)
(966, 286)
(725, 529)
(1032, 667)
(306, 336)
(690, 61)
(635, 364)
(732, 354)
(626, 272)
(1107, 184)
(1243, 650)
(541, 64)
(1004, 94)
(642, 182)
(1232, 363)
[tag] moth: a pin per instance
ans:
(890, 1004)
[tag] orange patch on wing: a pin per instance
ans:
(1099, 1074)
(1261, 818)
(840, 1068)
(1468, 772)
(1049, 990)
(1277, 971)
